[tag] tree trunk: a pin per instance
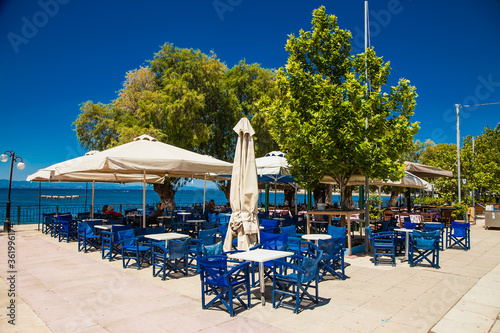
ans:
(289, 197)
(166, 193)
(393, 201)
(225, 186)
(329, 190)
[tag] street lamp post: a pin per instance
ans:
(4, 158)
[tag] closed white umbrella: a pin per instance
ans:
(244, 223)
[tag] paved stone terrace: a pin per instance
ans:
(61, 290)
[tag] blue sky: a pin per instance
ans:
(56, 54)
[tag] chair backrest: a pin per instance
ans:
(84, 228)
(409, 225)
(272, 241)
(127, 237)
(208, 225)
(67, 218)
(385, 225)
(116, 228)
(426, 240)
(212, 217)
(269, 224)
(331, 247)
(140, 231)
(291, 230)
(393, 223)
(178, 248)
(213, 269)
(157, 230)
(336, 232)
(212, 250)
(387, 215)
(433, 226)
(223, 229)
(427, 217)
(310, 267)
(460, 229)
(207, 237)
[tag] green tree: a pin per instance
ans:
(482, 169)
(185, 98)
(327, 121)
(443, 156)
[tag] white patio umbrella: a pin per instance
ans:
(147, 156)
(244, 223)
(274, 168)
(409, 180)
(48, 175)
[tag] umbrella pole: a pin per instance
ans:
(144, 201)
(296, 198)
(204, 194)
(39, 204)
(275, 189)
(93, 192)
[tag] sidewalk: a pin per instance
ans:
(61, 290)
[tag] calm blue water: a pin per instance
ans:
(25, 202)
(184, 196)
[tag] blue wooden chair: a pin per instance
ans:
(224, 284)
(458, 234)
(383, 245)
(336, 232)
(47, 222)
(294, 240)
(332, 260)
(172, 258)
(205, 237)
(422, 245)
(87, 239)
(292, 279)
(269, 225)
(68, 229)
(439, 227)
(132, 249)
(109, 242)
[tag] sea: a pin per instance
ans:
(28, 203)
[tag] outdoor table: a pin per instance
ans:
(184, 214)
(196, 224)
(105, 226)
(316, 237)
(260, 256)
(407, 241)
(166, 236)
(330, 213)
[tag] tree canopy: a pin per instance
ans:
(185, 98)
(328, 119)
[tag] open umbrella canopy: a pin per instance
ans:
(422, 170)
(409, 180)
(147, 155)
(244, 191)
(273, 168)
(48, 174)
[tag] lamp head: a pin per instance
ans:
(20, 165)
(4, 157)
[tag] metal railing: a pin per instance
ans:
(33, 214)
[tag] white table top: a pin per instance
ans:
(195, 221)
(166, 236)
(259, 255)
(183, 213)
(404, 230)
(316, 236)
(105, 226)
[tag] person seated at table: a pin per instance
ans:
(226, 208)
(111, 211)
(160, 211)
(211, 206)
(104, 209)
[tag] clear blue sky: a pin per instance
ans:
(54, 57)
